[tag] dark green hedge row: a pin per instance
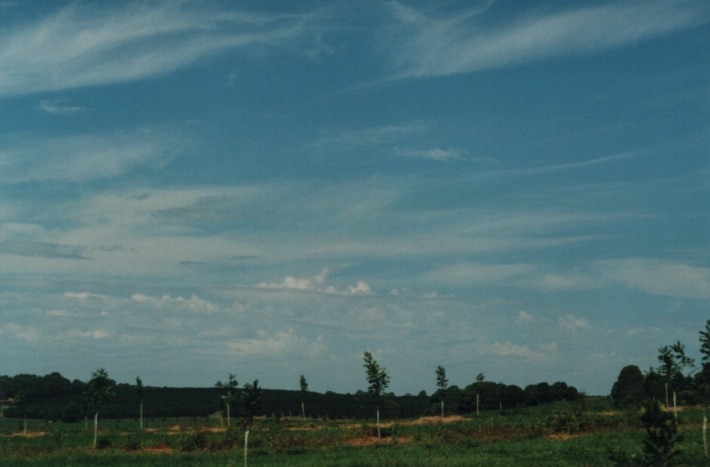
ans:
(53, 397)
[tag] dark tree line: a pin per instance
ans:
(676, 380)
(54, 397)
(498, 396)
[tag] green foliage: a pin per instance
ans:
(660, 444)
(100, 388)
(580, 433)
(705, 342)
(229, 393)
(133, 442)
(251, 400)
(377, 377)
(628, 390)
(441, 381)
(193, 441)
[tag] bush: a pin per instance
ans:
(659, 445)
(196, 441)
(103, 443)
(133, 442)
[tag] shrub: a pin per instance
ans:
(103, 443)
(196, 441)
(133, 442)
(659, 445)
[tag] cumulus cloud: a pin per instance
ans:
(316, 283)
(194, 303)
(83, 295)
(573, 323)
(90, 334)
(361, 288)
(524, 318)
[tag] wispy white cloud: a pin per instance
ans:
(96, 334)
(476, 274)
(512, 350)
(667, 278)
(435, 154)
(21, 332)
(283, 342)
(42, 249)
(524, 318)
(88, 156)
(59, 107)
(348, 137)
(94, 44)
(444, 45)
(573, 323)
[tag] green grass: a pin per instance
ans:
(560, 434)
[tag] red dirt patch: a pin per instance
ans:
(160, 449)
(429, 420)
(29, 434)
(374, 441)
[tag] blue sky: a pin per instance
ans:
(192, 189)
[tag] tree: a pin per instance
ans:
(660, 443)
(442, 383)
(628, 390)
(704, 377)
(378, 381)
(705, 343)
(479, 382)
(304, 389)
(141, 397)
(229, 393)
(251, 398)
(673, 362)
(99, 389)
(20, 401)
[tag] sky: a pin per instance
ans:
(190, 189)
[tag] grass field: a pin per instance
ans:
(559, 434)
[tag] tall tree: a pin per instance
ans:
(673, 362)
(705, 343)
(251, 398)
(141, 397)
(20, 401)
(229, 393)
(442, 383)
(479, 382)
(628, 390)
(99, 390)
(304, 390)
(704, 378)
(378, 381)
(660, 445)
(704, 374)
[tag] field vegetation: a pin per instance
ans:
(484, 423)
(586, 432)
